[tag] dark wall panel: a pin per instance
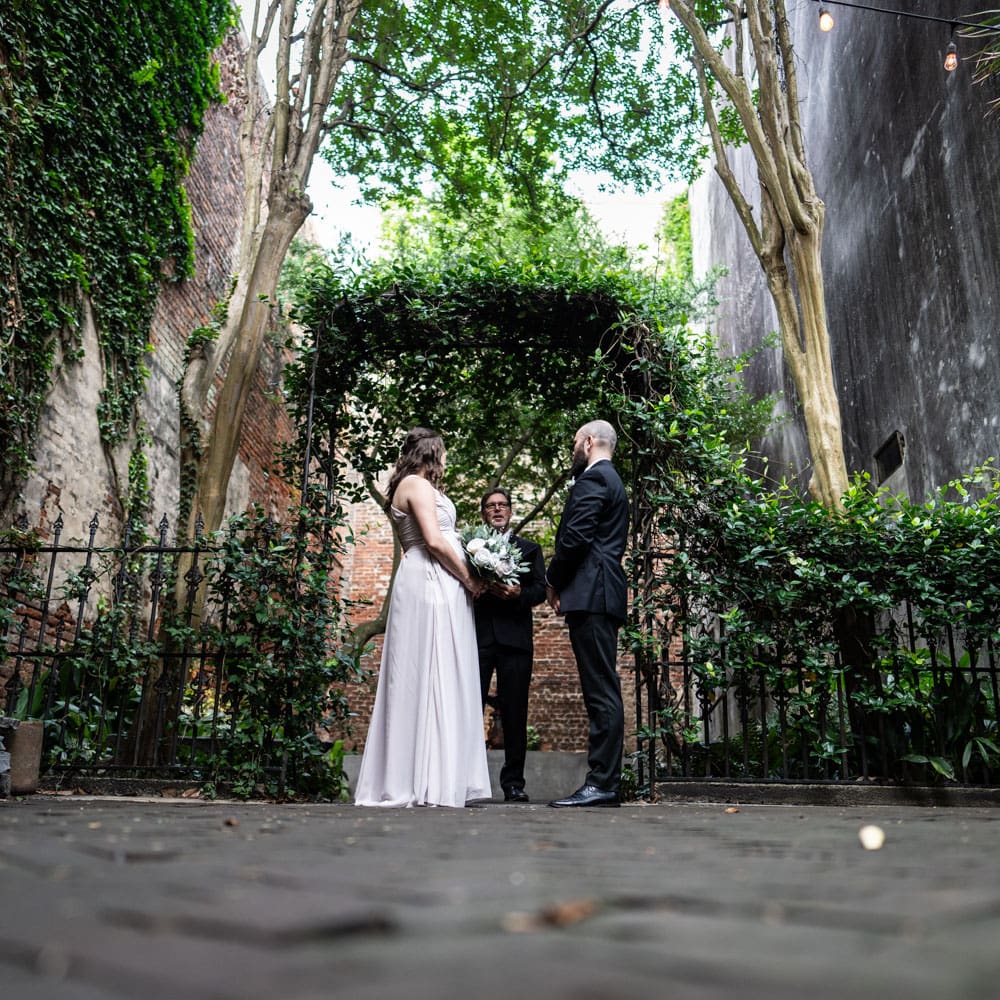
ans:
(907, 160)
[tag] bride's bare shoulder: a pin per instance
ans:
(410, 488)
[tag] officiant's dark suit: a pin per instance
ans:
(504, 635)
(586, 583)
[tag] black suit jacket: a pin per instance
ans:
(586, 568)
(509, 622)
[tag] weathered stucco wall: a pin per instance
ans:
(908, 164)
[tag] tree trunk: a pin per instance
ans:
(220, 445)
(788, 236)
(805, 339)
(210, 456)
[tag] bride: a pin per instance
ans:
(425, 742)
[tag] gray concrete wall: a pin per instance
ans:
(907, 161)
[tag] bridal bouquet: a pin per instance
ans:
(492, 556)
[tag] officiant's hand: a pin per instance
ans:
(505, 592)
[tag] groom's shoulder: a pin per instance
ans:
(603, 472)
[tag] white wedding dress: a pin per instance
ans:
(425, 742)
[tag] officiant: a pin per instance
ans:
(506, 648)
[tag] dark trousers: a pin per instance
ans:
(595, 645)
(513, 670)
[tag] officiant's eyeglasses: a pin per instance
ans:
(499, 505)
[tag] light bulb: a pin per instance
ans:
(825, 20)
(951, 57)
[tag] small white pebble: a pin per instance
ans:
(872, 837)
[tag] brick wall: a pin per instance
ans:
(215, 191)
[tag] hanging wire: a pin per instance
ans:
(826, 23)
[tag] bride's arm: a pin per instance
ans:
(416, 497)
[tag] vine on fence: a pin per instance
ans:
(793, 583)
(247, 699)
(286, 664)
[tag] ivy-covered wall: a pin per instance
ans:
(100, 107)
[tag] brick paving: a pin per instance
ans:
(137, 898)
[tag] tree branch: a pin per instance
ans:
(773, 115)
(515, 449)
(803, 177)
(562, 478)
(735, 87)
(722, 165)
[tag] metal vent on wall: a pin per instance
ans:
(889, 457)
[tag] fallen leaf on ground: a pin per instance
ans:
(570, 912)
(543, 845)
(732, 809)
(557, 915)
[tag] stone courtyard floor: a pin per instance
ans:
(146, 899)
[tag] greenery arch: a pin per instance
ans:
(507, 358)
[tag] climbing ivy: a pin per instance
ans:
(100, 108)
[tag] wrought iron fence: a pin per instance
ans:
(134, 675)
(921, 708)
(85, 650)
(129, 682)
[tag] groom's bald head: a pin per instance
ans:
(593, 442)
(603, 434)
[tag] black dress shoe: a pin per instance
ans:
(513, 794)
(589, 795)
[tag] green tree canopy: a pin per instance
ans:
(465, 92)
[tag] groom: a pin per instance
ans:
(586, 583)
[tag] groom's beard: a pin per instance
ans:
(579, 467)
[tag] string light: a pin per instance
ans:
(951, 57)
(951, 54)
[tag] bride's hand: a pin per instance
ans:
(475, 586)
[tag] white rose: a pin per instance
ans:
(474, 545)
(505, 567)
(484, 559)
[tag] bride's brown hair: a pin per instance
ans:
(422, 454)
